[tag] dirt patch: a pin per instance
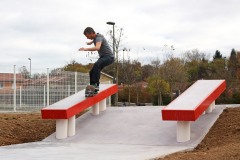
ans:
(18, 128)
(221, 142)
(24, 127)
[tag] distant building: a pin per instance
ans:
(7, 80)
(106, 78)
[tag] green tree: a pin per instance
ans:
(236, 97)
(216, 70)
(147, 71)
(203, 69)
(77, 67)
(131, 73)
(217, 55)
(232, 63)
(173, 71)
(158, 87)
(196, 64)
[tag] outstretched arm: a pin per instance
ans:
(96, 48)
(89, 43)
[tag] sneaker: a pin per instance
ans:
(96, 89)
(96, 86)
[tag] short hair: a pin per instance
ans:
(88, 30)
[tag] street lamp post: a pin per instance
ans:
(30, 66)
(115, 68)
(113, 23)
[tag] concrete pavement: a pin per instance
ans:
(119, 133)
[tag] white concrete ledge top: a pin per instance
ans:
(199, 90)
(75, 98)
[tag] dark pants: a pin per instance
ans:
(97, 67)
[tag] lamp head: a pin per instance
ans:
(111, 23)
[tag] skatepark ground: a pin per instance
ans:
(122, 133)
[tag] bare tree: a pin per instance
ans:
(23, 70)
(194, 55)
(118, 38)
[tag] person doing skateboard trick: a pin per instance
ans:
(106, 58)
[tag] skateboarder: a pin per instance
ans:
(106, 56)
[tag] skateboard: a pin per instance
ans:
(90, 91)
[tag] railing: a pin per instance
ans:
(20, 92)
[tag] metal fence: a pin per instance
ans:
(22, 92)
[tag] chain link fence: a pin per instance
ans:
(21, 92)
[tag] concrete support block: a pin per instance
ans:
(71, 126)
(102, 105)
(183, 131)
(61, 128)
(209, 109)
(109, 101)
(95, 109)
(213, 105)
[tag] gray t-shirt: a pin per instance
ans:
(105, 48)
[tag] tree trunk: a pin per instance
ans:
(129, 94)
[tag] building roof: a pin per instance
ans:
(8, 77)
(107, 75)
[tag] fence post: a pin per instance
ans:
(69, 90)
(47, 86)
(44, 96)
(75, 82)
(20, 97)
(14, 89)
(109, 98)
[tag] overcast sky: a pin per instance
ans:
(50, 32)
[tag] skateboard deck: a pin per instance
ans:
(90, 91)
